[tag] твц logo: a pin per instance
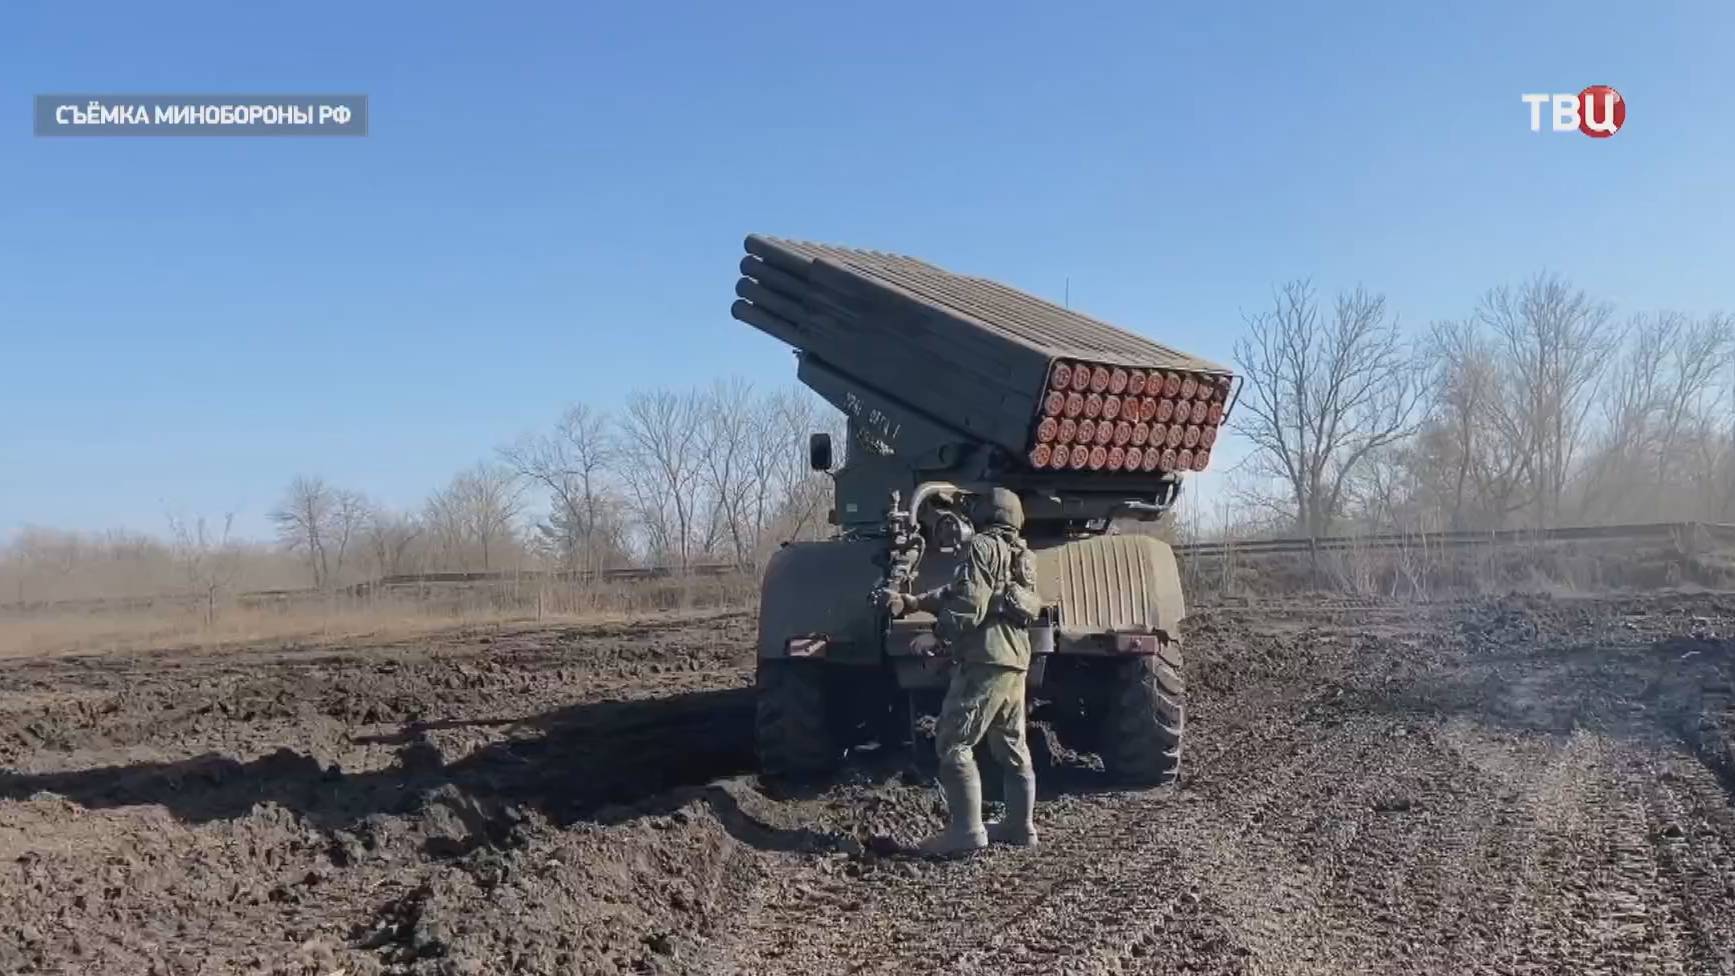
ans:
(1598, 111)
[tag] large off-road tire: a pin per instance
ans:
(792, 729)
(1145, 719)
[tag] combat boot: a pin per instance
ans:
(1018, 825)
(963, 833)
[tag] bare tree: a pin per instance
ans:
(1462, 450)
(47, 564)
(48, 558)
(1698, 352)
(660, 435)
(1709, 461)
(773, 448)
(388, 537)
(799, 494)
(733, 471)
(495, 502)
(443, 519)
(207, 559)
(573, 464)
(756, 466)
(1655, 456)
(303, 519)
(1324, 393)
(350, 511)
(1719, 462)
(321, 522)
(475, 514)
(1389, 491)
(1554, 343)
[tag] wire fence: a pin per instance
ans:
(1685, 536)
(1685, 532)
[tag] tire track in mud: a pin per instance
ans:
(1525, 865)
(1344, 887)
(1122, 888)
(1368, 789)
(1585, 885)
(1484, 836)
(1468, 890)
(1594, 894)
(1419, 911)
(1182, 880)
(1690, 820)
(1243, 866)
(1579, 880)
(1623, 891)
(1108, 872)
(1323, 885)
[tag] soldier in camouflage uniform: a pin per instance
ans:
(986, 695)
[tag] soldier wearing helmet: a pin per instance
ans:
(981, 621)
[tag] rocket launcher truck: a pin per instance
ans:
(951, 385)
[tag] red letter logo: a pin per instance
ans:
(1601, 111)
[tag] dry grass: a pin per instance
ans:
(1422, 573)
(111, 633)
(397, 615)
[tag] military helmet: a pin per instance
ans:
(1000, 507)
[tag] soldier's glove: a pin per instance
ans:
(895, 603)
(927, 645)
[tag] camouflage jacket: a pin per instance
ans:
(964, 609)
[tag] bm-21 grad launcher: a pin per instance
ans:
(951, 385)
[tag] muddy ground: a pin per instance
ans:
(1525, 785)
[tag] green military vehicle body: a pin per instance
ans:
(951, 385)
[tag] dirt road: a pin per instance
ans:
(1517, 786)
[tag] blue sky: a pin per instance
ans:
(551, 202)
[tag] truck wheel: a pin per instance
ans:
(792, 730)
(1141, 735)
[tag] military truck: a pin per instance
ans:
(951, 385)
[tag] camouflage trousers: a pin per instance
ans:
(983, 701)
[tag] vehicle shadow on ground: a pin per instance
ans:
(568, 764)
(602, 762)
